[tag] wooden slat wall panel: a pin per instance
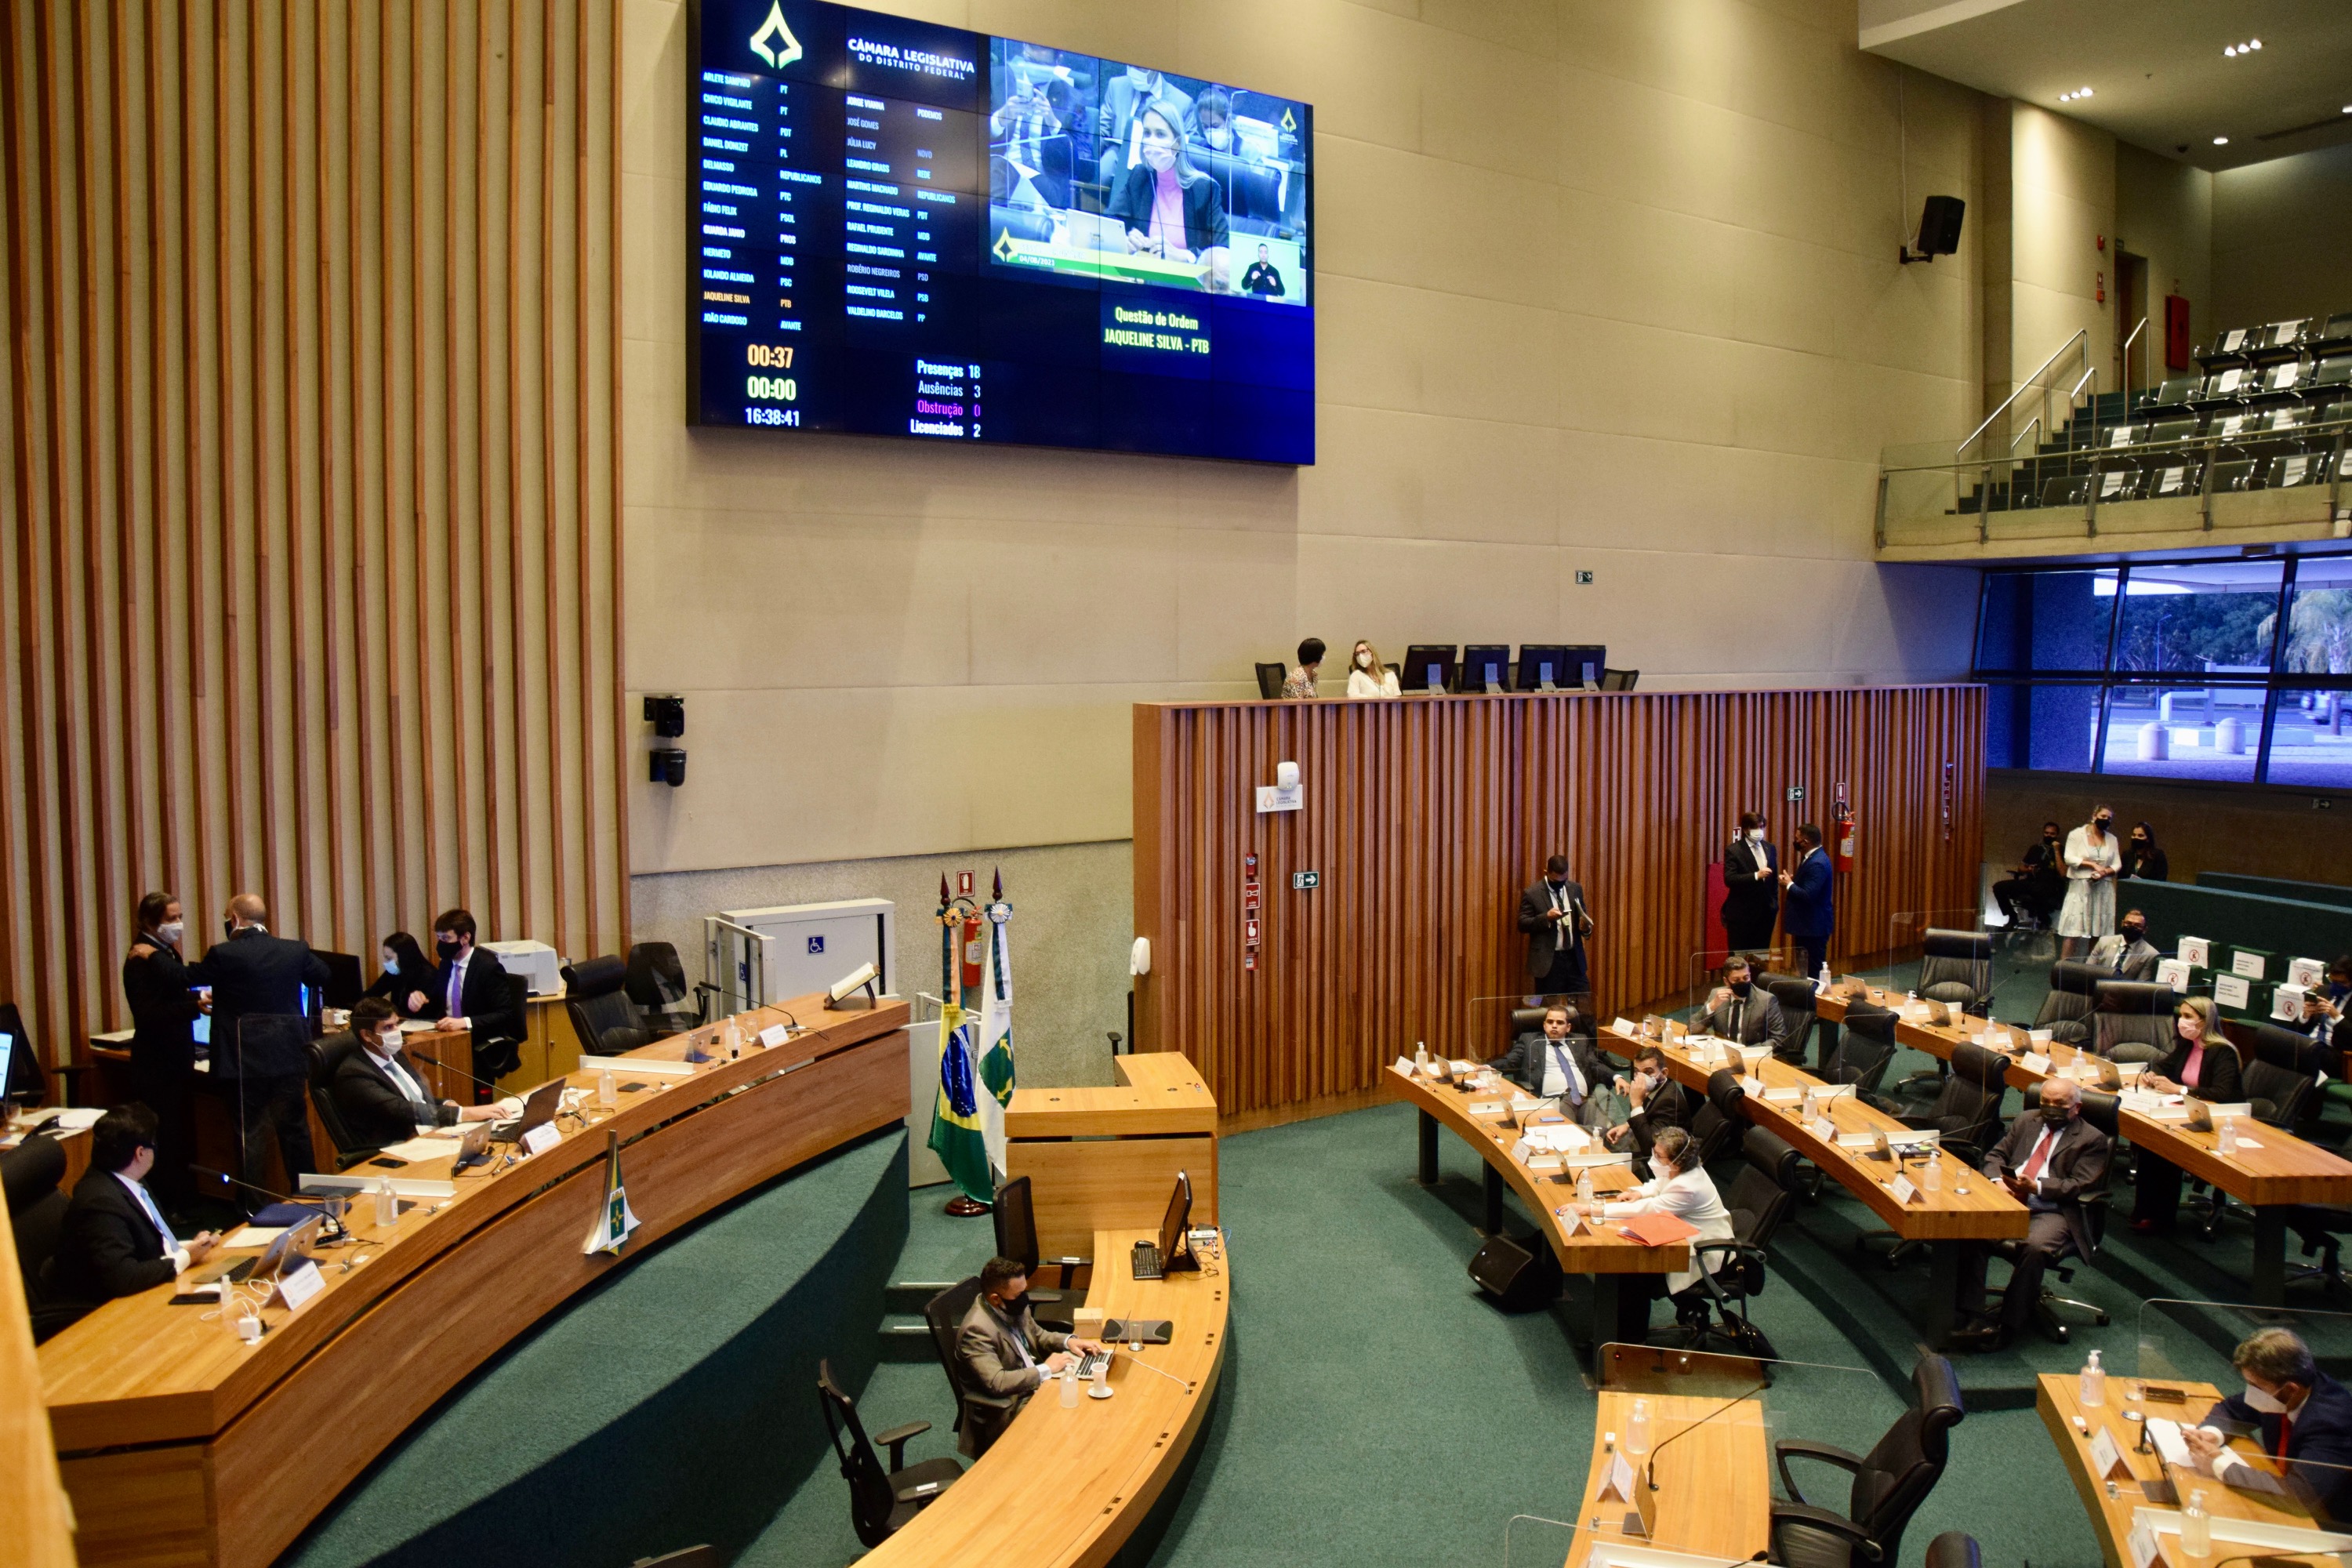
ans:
(308, 586)
(1427, 818)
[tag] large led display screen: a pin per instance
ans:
(910, 230)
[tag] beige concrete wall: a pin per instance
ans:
(2164, 211)
(2062, 199)
(2282, 239)
(1604, 287)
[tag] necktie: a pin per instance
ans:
(155, 1218)
(1569, 1076)
(2285, 1421)
(2040, 1160)
(457, 988)
(410, 1091)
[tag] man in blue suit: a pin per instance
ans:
(2304, 1418)
(1807, 909)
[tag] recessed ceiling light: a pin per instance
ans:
(2220, 141)
(2229, 51)
(2255, 45)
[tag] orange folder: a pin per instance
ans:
(1657, 1229)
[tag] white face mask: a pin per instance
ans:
(1661, 1171)
(1363, 661)
(1754, 835)
(387, 1044)
(171, 930)
(2268, 1404)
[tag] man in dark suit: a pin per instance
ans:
(1741, 1010)
(2128, 951)
(264, 1063)
(2036, 885)
(114, 1240)
(2051, 1160)
(380, 1095)
(1751, 888)
(1807, 909)
(163, 1044)
(2304, 1416)
(471, 989)
(1560, 1064)
(1553, 916)
(1656, 1103)
(998, 1347)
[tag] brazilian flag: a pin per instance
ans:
(957, 1136)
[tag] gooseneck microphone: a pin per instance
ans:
(337, 1226)
(1650, 1473)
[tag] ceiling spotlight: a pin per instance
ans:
(2255, 45)
(2220, 141)
(2229, 51)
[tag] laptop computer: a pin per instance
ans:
(537, 1111)
(293, 1242)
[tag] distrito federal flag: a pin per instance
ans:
(957, 1136)
(615, 1219)
(996, 1030)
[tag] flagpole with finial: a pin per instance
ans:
(961, 1206)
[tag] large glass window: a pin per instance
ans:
(2234, 670)
(2207, 619)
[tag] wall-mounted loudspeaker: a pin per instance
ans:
(1939, 230)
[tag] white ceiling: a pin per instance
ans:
(2157, 76)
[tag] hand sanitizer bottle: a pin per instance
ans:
(1637, 1430)
(1812, 1103)
(1932, 1178)
(1584, 1185)
(2094, 1383)
(1821, 983)
(607, 1095)
(1070, 1386)
(387, 1202)
(1420, 1058)
(2227, 1142)
(2197, 1527)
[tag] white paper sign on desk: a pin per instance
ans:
(1902, 1190)
(2142, 1544)
(1487, 1108)
(1754, 1086)
(1623, 1026)
(2107, 1460)
(1521, 1149)
(2232, 990)
(2036, 1063)
(773, 1035)
(1824, 1129)
(1617, 1482)
(1404, 1066)
(2307, 972)
(2172, 972)
(1540, 1163)
(541, 1139)
(2195, 952)
(1571, 1221)
(297, 1285)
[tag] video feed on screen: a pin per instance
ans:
(1105, 173)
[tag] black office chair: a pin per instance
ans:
(1720, 1121)
(2131, 1020)
(2280, 1080)
(326, 1058)
(30, 1172)
(2321, 1229)
(1733, 1272)
(657, 983)
(1798, 1016)
(596, 998)
(2098, 1110)
(881, 1501)
(1955, 968)
(1865, 1050)
(1017, 1237)
(943, 1313)
(1966, 1117)
(2066, 1010)
(1270, 677)
(1890, 1482)
(1954, 1548)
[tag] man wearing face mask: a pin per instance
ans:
(164, 1044)
(471, 988)
(1553, 917)
(1751, 888)
(1810, 913)
(1656, 1101)
(2037, 884)
(2302, 1415)
(2048, 1163)
(2127, 950)
(1559, 1065)
(257, 975)
(380, 1094)
(1002, 1353)
(1741, 1010)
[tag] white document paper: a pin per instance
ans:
(2195, 952)
(2307, 972)
(2172, 972)
(2170, 1446)
(420, 1149)
(2248, 964)
(253, 1236)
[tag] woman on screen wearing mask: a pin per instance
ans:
(2093, 861)
(1169, 208)
(408, 979)
(1366, 676)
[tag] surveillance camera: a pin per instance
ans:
(666, 715)
(669, 766)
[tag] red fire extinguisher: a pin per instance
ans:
(1844, 858)
(972, 951)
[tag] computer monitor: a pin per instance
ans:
(203, 1029)
(7, 1057)
(20, 1064)
(344, 986)
(1585, 665)
(1486, 667)
(1427, 667)
(1175, 1228)
(1543, 665)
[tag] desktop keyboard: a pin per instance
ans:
(1146, 1261)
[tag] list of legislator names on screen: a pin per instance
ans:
(908, 230)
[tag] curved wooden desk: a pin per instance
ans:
(1715, 1491)
(1068, 1487)
(180, 1445)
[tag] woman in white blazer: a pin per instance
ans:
(1367, 677)
(1678, 1185)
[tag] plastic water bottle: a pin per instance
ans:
(1420, 1058)
(2094, 1383)
(607, 1095)
(1070, 1386)
(1932, 1178)
(1584, 1185)
(2197, 1527)
(1812, 1103)
(2228, 1141)
(1637, 1430)
(387, 1202)
(734, 1037)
